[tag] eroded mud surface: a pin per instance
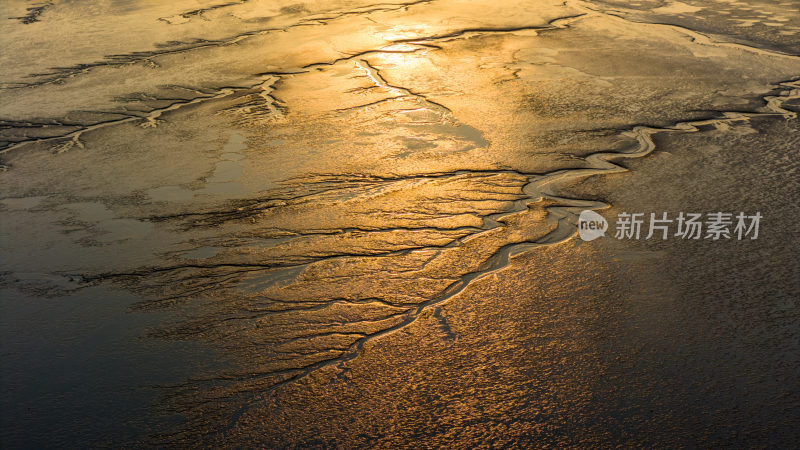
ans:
(319, 210)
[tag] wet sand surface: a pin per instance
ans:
(349, 224)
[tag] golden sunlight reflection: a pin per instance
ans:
(349, 223)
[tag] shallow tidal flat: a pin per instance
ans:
(342, 223)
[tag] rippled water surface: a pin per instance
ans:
(353, 224)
